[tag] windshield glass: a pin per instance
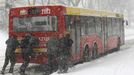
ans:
(38, 23)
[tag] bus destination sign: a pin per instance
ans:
(34, 11)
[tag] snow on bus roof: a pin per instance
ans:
(82, 11)
(91, 12)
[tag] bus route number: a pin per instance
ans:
(46, 11)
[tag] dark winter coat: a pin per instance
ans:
(28, 43)
(12, 44)
(52, 46)
(64, 46)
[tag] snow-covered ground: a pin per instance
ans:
(3, 38)
(117, 63)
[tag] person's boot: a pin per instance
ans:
(11, 70)
(3, 71)
(22, 72)
(60, 71)
(65, 69)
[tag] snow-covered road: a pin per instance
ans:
(117, 63)
(3, 38)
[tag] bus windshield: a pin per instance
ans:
(34, 24)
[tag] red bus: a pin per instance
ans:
(94, 32)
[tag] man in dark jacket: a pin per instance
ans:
(65, 44)
(27, 50)
(52, 50)
(12, 44)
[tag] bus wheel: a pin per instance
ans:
(94, 52)
(86, 55)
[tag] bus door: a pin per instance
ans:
(105, 32)
(73, 26)
(75, 35)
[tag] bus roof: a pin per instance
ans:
(91, 12)
(79, 11)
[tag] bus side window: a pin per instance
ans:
(82, 25)
(68, 23)
(109, 26)
(91, 25)
(98, 26)
(118, 26)
(113, 27)
(86, 23)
